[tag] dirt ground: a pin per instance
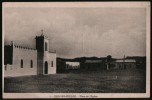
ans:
(110, 81)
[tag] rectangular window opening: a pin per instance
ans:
(21, 63)
(51, 63)
(31, 63)
(45, 46)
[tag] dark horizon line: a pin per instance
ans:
(96, 57)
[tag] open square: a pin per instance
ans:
(111, 81)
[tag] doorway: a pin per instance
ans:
(46, 68)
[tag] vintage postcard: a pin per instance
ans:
(76, 49)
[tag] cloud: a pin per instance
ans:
(80, 31)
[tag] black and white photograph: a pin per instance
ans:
(76, 49)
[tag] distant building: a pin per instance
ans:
(61, 66)
(65, 66)
(93, 65)
(72, 65)
(140, 61)
(20, 61)
(122, 64)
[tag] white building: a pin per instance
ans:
(21, 61)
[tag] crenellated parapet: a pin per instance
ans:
(19, 46)
(22, 47)
(8, 45)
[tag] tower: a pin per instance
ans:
(42, 46)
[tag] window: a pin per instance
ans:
(51, 63)
(21, 63)
(45, 46)
(31, 63)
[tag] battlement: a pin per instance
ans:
(8, 45)
(28, 48)
(19, 46)
(22, 47)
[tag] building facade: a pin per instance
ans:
(122, 64)
(61, 66)
(72, 65)
(21, 61)
(64, 66)
(93, 65)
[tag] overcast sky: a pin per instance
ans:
(76, 32)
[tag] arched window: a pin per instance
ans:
(31, 63)
(21, 63)
(45, 46)
(51, 63)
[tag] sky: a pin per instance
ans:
(77, 32)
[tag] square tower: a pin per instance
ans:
(42, 44)
(46, 61)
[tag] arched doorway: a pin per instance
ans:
(46, 68)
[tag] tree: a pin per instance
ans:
(109, 58)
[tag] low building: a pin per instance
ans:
(61, 66)
(93, 65)
(65, 66)
(122, 64)
(140, 61)
(72, 65)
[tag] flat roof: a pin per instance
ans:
(125, 60)
(93, 61)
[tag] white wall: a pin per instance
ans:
(27, 55)
(72, 65)
(49, 57)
